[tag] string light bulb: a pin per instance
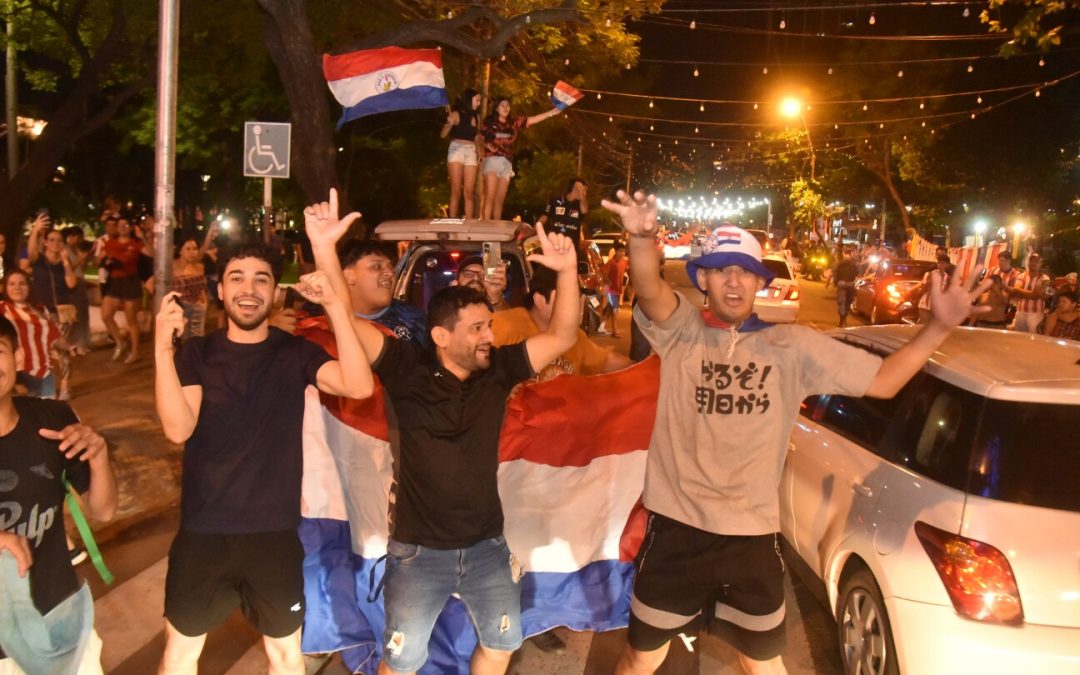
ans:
(755, 106)
(628, 66)
(696, 73)
(783, 24)
(693, 25)
(924, 124)
(972, 115)
(610, 118)
(979, 100)
(702, 107)
(1042, 62)
(900, 73)
(651, 128)
(873, 19)
(830, 71)
(971, 68)
(922, 106)
(566, 62)
(765, 70)
(650, 103)
(967, 12)
(696, 131)
(1038, 93)
(865, 107)
(607, 23)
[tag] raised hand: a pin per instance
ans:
(322, 224)
(638, 213)
(78, 440)
(169, 322)
(952, 305)
(315, 287)
(558, 251)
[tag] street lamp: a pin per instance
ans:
(791, 107)
(1018, 229)
(980, 228)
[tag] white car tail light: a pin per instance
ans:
(977, 576)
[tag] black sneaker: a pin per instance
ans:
(78, 555)
(549, 642)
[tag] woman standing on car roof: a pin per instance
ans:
(500, 130)
(461, 157)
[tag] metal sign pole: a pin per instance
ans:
(165, 159)
(268, 193)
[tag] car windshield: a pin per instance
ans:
(902, 270)
(1028, 453)
(433, 271)
(779, 268)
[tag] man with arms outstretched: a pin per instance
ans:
(236, 399)
(730, 388)
(447, 520)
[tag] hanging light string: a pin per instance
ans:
(845, 64)
(967, 37)
(774, 7)
(893, 99)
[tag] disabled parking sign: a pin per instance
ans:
(266, 149)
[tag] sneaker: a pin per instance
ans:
(78, 555)
(549, 642)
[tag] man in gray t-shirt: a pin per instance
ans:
(730, 388)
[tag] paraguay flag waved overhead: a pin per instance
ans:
(373, 81)
(563, 95)
(572, 466)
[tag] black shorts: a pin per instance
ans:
(687, 577)
(123, 288)
(210, 575)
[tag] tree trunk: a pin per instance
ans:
(292, 47)
(79, 114)
(883, 172)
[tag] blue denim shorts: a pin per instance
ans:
(498, 165)
(419, 580)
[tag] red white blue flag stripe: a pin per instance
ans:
(572, 466)
(373, 81)
(563, 95)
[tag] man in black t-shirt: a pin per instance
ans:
(236, 399)
(563, 214)
(447, 520)
(41, 442)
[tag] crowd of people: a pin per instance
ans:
(235, 398)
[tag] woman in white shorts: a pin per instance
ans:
(500, 130)
(461, 157)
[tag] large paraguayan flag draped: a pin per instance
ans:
(572, 467)
(373, 81)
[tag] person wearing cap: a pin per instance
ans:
(470, 272)
(1029, 292)
(730, 390)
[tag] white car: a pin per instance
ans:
(779, 301)
(944, 525)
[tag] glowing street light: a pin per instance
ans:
(1018, 229)
(792, 108)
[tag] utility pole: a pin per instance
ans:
(580, 156)
(11, 90)
(165, 148)
(629, 169)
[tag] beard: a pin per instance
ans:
(472, 359)
(247, 323)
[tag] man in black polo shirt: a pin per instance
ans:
(236, 399)
(563, 214)
(447, 520)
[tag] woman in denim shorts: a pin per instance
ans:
(461, 156)
(500, 130)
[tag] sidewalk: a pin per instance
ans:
(118, 401)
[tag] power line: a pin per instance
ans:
(845, 64)
(968, 37)
(813, 8)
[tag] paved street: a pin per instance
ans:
(118, 400)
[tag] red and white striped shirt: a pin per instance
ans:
(1028, 282)
(36, 334)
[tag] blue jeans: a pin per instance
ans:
(39, 387)
(418, 582)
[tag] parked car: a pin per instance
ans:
(435, 248)
(591, 280)
(605, 242)
(880, 294)
(779, 301)
(943, 526)
(767, 241)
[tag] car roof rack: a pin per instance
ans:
(447, 229)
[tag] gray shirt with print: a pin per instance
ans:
(727, 404)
